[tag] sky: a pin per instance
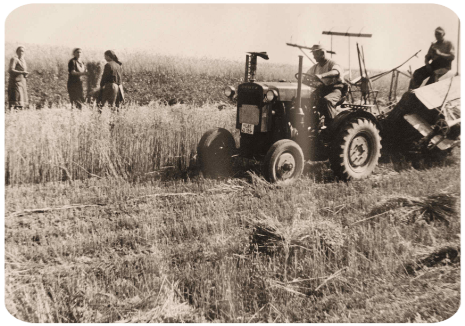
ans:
(230, 30)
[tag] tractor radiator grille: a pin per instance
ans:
(249, 114)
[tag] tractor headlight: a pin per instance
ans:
(271, 95)
(229, 91)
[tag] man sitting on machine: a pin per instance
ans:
(332, 89)
(437, 61)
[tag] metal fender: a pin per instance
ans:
(346, 115)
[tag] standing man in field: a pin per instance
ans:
(438, 61)
(76, 69)
(332, 89)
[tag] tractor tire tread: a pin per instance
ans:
(348, 131)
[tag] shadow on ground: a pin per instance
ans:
(319, 172)
(405, 161)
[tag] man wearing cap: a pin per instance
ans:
(331, 91)
(438, 61)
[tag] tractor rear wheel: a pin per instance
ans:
(284, 162)
(214, 153)
(356, 149)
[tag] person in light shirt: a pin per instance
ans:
(438, 61)
(326, 96)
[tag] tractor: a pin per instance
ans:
(281, 127)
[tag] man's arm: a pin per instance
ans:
(449, 56)
(428, 56)
(331, 73)
(13, 70)
(336, 71)
(72, 69)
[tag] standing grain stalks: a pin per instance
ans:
(94, 70)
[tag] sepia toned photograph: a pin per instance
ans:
(232, 163)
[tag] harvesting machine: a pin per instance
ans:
(426, 121)
(281, 127)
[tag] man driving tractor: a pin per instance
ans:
(332, 90)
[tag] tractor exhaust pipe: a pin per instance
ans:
(251, 65)
(299, 113)
(246, 77)
(298, 103)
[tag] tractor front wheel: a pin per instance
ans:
(284, 162)
(356, 149)
(214, 153)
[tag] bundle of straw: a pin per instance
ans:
(269, 235)
(439, 207)
(444, 255)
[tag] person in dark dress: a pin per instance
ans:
(17, 87)
(111, 89)
(76, 69)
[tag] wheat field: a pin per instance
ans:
(60, 144)
(107, 219)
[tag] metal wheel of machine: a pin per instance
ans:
(284, 162)
(356, 150)
(214, 153)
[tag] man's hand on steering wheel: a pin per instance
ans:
(320, 78)
(310, 79)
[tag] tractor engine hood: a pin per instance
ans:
(286, 91)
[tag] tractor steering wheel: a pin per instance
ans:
(310, 80)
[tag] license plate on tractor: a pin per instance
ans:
(247, 128)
